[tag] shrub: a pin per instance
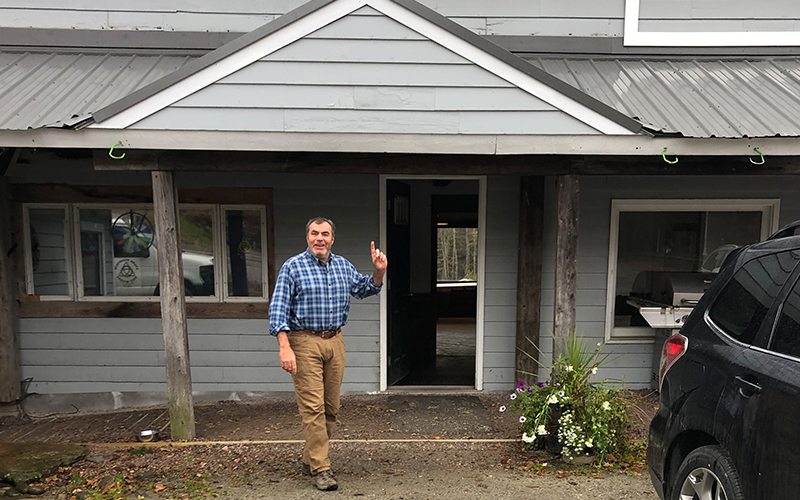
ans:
(581, 415)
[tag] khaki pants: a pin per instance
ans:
(317, 385)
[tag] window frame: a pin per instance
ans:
(28, 249)
(770, 212)
(72, 198)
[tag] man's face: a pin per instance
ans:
(320, 240)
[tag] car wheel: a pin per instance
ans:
(707, 473)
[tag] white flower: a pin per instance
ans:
(606, 405)
(503, 408)
(522, 420)
(553, 399)
(513, 396)
(541, 430)
(588, 443)
(594, 370)
(569, 368)
(528, 439)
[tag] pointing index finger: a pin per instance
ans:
(372, 247)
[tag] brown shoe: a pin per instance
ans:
(324, 481)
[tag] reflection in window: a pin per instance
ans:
(675, 242)
(48, 247)
(197, 247)
(243, 253)
(745, 300)
(786, 339)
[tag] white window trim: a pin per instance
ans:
(74, 259)
(634, 37)
(769, 208)
(29, 286)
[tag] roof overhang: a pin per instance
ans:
(632, 145)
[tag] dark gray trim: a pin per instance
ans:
(591, 46)
(110, 40)
(413, 6)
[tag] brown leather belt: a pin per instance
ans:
(327, 334)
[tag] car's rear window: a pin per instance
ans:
(741, 306)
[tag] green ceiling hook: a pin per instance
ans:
(759, 154)
(664, 155)
(111, 151)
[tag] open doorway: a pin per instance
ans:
(432, 238)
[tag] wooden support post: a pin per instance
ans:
(9, 316)
(566, 285)
(529, 276)
(173, 306)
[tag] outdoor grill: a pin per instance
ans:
(665, 299)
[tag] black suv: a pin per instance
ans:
(728, 424)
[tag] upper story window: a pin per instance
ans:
(674, 236)
(109, 252)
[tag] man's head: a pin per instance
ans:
(320, 233)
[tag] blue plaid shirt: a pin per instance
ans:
(311, 295)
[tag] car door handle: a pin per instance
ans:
(747, 388)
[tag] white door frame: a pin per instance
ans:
(479, 313)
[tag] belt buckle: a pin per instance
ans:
(328, 334)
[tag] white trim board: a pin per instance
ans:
(332, 12)
(634, 37)
(215, 140)
(770, 209)
(480, 316)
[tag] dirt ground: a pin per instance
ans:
(451, 449)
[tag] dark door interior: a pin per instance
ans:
(432, 295)
(398, 238)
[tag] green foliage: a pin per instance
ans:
(585, 416)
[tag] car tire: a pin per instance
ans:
(707, 473)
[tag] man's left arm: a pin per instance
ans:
(365, 285)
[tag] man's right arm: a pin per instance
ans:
(279, 308)
(288, 360)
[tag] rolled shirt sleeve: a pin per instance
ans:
(280, 303)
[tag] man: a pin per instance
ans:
(308, 310)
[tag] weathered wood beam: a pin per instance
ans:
(173, 306)
(120, 309)
(394, 163)
(9, 315)
(529, 276)
(566, 283)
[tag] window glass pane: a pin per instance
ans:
(786, 338)
(675, 242)
(48, 257)
(243, 253)
(118, 252)
(197, 246)
(745, 300)
(457, 254)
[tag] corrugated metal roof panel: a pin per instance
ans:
(692, 97)
(46, 90)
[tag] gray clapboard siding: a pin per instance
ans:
(505, 17)
(254, 102)
(633, 360)
(373, 74)
(500, 315)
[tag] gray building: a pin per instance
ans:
(571, 146)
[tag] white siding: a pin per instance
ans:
(365, 73)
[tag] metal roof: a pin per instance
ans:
(758, 97)
(54, 90)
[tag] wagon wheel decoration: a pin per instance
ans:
(132, 232)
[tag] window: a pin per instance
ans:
(686, 236)
(786, 338)
(742, 305)
(112, 252)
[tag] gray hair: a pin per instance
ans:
(320, 220)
